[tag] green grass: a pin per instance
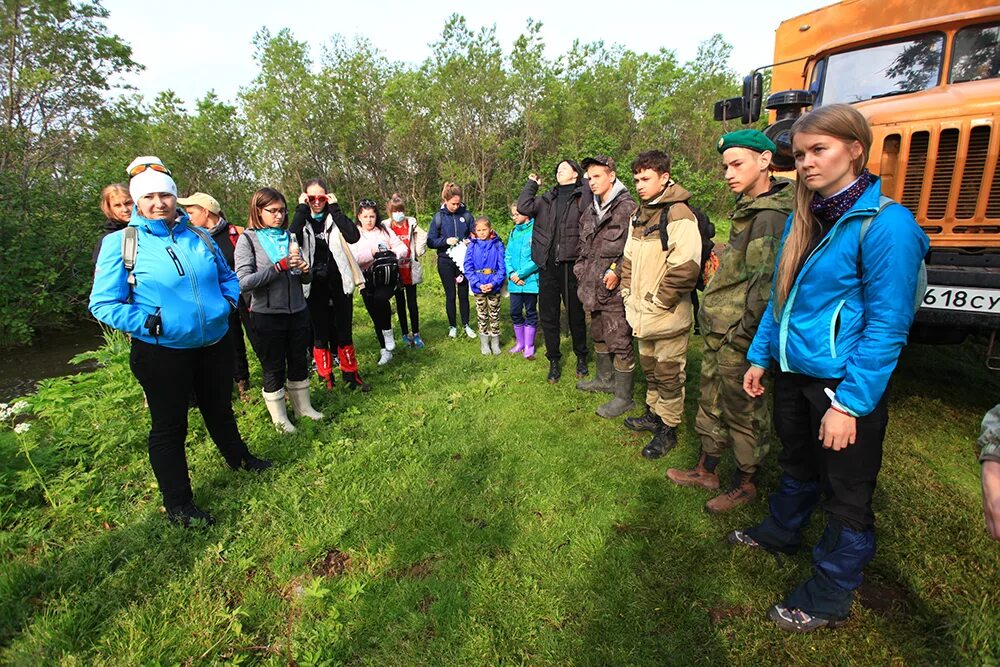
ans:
(467, 513)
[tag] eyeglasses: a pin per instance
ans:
(367, 203)
(317, 199)
(139, 168)
(276, 211)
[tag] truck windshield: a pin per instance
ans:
(976, 54)
(883, 70)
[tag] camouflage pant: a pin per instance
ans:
(663, 361)
(613, 335)
(488, 313)
(727, 416)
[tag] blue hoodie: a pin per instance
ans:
(192, 288)
(445, 225)
(484, 264)
(835, 324)
(518, 259)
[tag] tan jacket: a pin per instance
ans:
(656, 284)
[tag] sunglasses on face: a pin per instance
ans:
(366, 203)
(317, 199)
(139, 168)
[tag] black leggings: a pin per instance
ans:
(167, 376)
(448, 272)
(332, 312)
(406, 299)
(377, 304)
(282, 341)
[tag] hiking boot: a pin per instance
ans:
(647, 421)
(622, 402)
(581, 368)
(187, 513)
(354, 382)
(742, 492)
(796, 620)
(740, 538)
(243, 388)
(703, 474)
(555, 371)
(604, 380)
(664, 439)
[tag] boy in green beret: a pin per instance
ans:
(732, 306)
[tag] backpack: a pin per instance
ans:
(918, 296)
(706, 229)
(130, 248)
(384, 271)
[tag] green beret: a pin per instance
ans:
(755, 140)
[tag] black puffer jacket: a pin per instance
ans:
(560, 238)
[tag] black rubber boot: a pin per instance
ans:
(604, 381)
(664, 439)
(622, 402)
(555, 371)
(648, 421)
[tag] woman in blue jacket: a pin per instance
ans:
(452, 224)
(522, 283)
(841, 307)
(175, 304)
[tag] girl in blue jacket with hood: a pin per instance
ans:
(841, 307)
(175, 305)
(522, 283)
(484, 266)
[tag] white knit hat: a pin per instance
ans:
(149, 181)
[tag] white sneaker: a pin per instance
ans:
(469, 332)
(385, 357)
(452, 332)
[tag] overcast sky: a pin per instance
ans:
(194, 47)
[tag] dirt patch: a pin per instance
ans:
(725, 612)
(334, 564)
(419, 570)
(883, 597)
(475, 522)
(456, 457)
(425, 603)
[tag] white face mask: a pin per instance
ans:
(398, 216)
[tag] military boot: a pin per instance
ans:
(604, 382)
(703, 474)
(647, 421)
(664, 439)
(742, 492)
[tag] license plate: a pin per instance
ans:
(970, 299)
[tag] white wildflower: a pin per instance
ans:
(22, 428)
(19, 407)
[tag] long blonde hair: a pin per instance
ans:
(842, 122)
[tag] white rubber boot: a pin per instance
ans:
(275, 401)
(495, 344)
(390, 341)
(298, 391)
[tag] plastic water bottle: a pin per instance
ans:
(293, 249)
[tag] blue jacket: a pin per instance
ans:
(518, 259)
(484, 264)
(835, 325)
(193, 289)
(445, 225)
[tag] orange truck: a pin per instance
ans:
(927, 77)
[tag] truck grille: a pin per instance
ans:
(950, 180)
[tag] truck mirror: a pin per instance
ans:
(729, 109)
(753, 93)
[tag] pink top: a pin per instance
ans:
(366, 247)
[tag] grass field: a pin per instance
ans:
(467, 513)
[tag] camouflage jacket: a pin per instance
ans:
(989, 440)
(602, 242)
(737, 294)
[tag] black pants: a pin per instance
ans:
(448, 272)
(239, 321)
(331, 312)
(524, 308)
(282, 341)
(377, 304)
(406, 300)
(167, 376)
(557, 284)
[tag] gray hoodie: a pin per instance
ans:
(271, 291)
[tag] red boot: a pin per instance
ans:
(349, 368)
(324, 365)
